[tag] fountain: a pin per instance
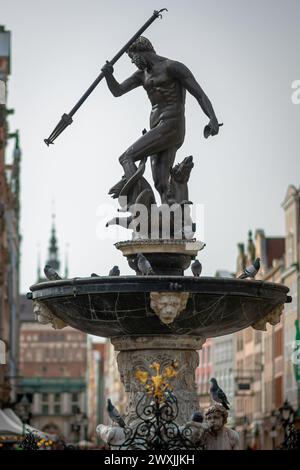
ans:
(158, 315)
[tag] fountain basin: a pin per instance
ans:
(118, 306)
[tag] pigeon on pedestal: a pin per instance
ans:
(143, 265)
(114, 414)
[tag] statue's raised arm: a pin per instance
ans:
(119, 89)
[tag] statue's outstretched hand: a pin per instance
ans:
(107, 69)
(212, 128)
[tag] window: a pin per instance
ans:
(45, 403)
(248, 335)
(289, 249)
(74, 403)
(47, 353)
(28, 356)
(57, 403)
(257, 404)
(278, 392)
(278, 343)
(257, 337)
(38, 355)
(208, 355)
(240, 343)
(249, 362)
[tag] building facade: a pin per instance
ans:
(290, 277)
(97, 352)
(265, 370)
(113, 387)
(9, 237)
(256, 376)
(223, 359)
(53, 369)
(204, 372)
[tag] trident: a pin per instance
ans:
(66, 118)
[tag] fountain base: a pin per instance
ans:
(139, 353)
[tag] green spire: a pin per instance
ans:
(250, 247)
(53, 259)
(38, 271)
(66, 261)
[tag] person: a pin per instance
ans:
(165, 82)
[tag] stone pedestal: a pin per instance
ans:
(167, 257)
(140, 352)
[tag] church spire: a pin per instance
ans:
(251, 247)
(38, 272)
(66, 261)
(53, 259)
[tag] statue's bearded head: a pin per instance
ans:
(138, 52)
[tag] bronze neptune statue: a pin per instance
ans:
(165, 82)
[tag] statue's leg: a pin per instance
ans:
(161, 165)
(151, 143)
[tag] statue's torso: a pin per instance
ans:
(166, 94)
(224, 439)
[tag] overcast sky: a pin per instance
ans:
(244, 54)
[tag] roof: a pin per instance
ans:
(275, 249)
(52, 385)
(292, 192)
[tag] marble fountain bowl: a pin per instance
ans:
(140, 305)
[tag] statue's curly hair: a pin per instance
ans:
(141, 44)
(218, 409)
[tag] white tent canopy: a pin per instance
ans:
(12, 416)
(9, 426)
(10, 423)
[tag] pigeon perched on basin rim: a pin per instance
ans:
(251, 271)
(217, 394)
(196, 268)
(50, 273)
(115, 271)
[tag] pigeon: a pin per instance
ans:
(115, 271)
(196, 268)
(197, 417)
(50, 273)
(94, 275)
(143, 265)
(251, 271)
(217, 394)
(114, 414)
